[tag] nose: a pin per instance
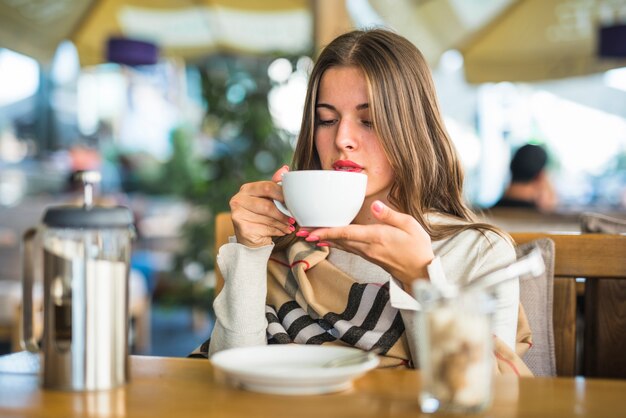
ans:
(347, 137)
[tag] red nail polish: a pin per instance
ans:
(302, 234)
(312, 238)
(323, 244)
(292, 221)
(292, 228)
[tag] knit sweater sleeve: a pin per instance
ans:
(498, 253)
(240, 306)
(471, 254)
(464, 258)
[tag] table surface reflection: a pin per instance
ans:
(167, 387)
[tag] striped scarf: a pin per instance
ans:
(310, 301)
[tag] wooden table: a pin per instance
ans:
(173, 387)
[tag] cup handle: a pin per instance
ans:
(28, 271)
(282, 208)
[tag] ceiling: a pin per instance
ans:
(514, 40)
(510, 40)
(182, 28)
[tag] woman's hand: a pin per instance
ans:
(255, 217)
(399, 244)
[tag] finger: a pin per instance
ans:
(264, 230)
(255, 235)
(346, 233)
(258, 206)
(263, 189)
(391, 217)
(278, 231)
(278, 175)
(303, 232)
(250, 223)
(354, 247)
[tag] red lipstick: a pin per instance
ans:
(347, 165)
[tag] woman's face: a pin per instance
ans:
(344, 135)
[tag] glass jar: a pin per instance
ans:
(455, 345)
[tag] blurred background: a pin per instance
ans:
(177, 103)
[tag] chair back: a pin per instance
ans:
(593, 257)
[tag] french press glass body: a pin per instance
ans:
(85, 256)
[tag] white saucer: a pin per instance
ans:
(290, 369)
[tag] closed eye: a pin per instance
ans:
(326, 122)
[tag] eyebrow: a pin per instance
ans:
(331, 107)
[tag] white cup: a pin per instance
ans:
(322, 198)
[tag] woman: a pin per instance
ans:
(370, 107)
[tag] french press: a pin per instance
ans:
(84, 255)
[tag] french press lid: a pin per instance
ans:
(88, 215)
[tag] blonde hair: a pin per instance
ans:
(407, 120)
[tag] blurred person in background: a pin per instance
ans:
(530, 186)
